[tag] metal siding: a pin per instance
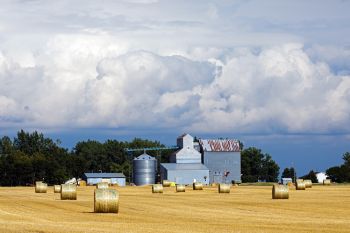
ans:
(144, 171)
(104, 175)
(187, 155)
(93, 181)
(119, 181)
(187, 176)
(184, 166)
(189, 160)
(219, 162)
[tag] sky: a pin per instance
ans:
(273, 74)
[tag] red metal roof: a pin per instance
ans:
(219, 145)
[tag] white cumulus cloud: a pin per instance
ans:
(207, 67)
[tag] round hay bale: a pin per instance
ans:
(197, 186)
(308, 183)
(180, 188)
(57, 188)
(214, 185)
(40, 187)
(224, 188)
(300, 185)
(102, 185)
(106, 201)
(82, 183)
(327, 182)
(166, 183)
(299, 180)
(68, 192)
(280, 191)
(157, 188)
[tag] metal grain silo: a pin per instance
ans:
(144, 170)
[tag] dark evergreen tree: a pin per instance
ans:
(310, 176)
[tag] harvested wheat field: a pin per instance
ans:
(245, 209)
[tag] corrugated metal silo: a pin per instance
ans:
(144, 170)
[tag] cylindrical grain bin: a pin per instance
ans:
(40, 187)
(280, 191)
(180, 188)
(327, 182)
(224, 188)
(197, 186)
(308, 183)
(102, 185)
(144, 170)
(106, 201)
(166, 183)
(68, 192)
(300, 185)
(157, 188)
(57, 188)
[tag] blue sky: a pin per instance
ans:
(274, 74)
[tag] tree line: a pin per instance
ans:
(31, 156)
(339, 174)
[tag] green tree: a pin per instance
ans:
(336, 174)
(341, 173)
(289, 173)
(310, 176)
(258, 166)
(6, 146)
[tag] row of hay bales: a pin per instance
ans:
(158, 188)
(282, 191)
(106, 200)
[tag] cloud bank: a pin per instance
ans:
(158, 65)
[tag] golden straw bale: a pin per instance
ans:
(180, 188)
(68, 192)
(308, 183)
(214, 185)
(82, 183)
(166, 183)
(280, 191)
(157, 188)
(57, 188)
(40, 187)
(224, 188)
(106, 201)
(299, 180)
(300, 185)
(327, 182)
(197, 186)
(102, 185)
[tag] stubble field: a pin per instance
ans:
(245, 209)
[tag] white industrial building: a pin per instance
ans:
(186, 153)
(223, 159)
(185, 165)
(209, 161)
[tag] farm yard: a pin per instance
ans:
(245, 209)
